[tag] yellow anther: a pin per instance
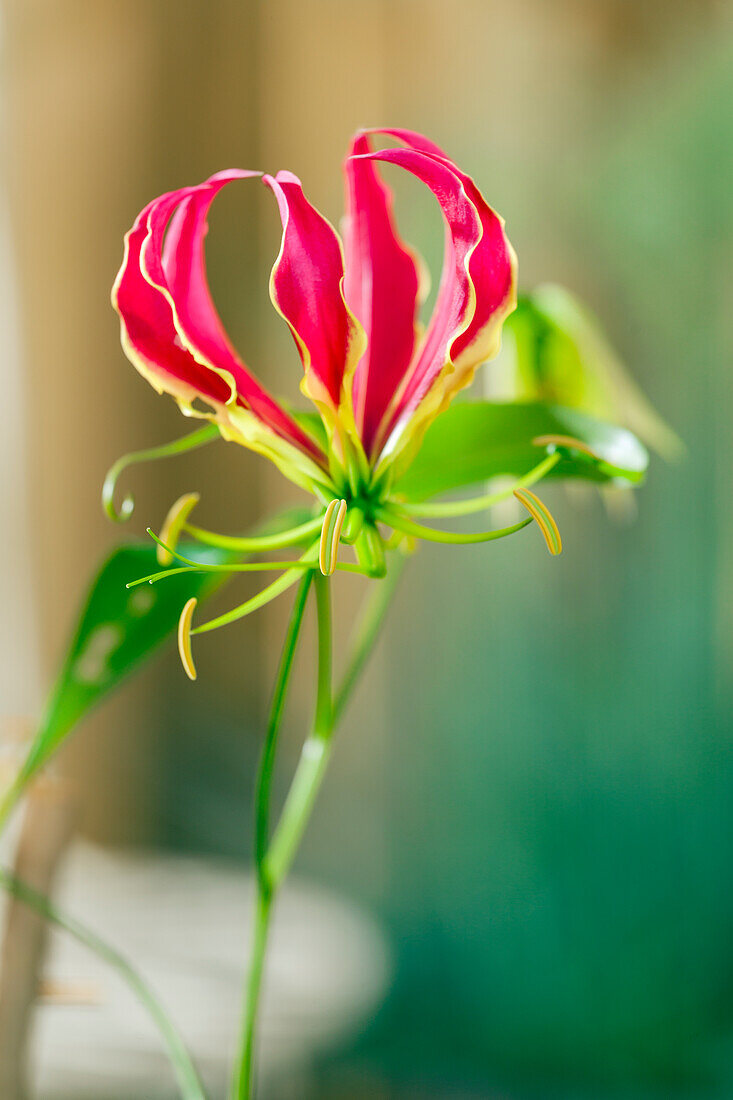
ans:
(170, 532)
(330, 534)
(184, 638)
(564, 441)
(543, 518)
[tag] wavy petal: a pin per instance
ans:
(477, 290)
(382, 287)
(173, 335)
(306, 287)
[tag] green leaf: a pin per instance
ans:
(118, 630)
(476, 440)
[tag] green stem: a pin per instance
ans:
(189, 1082)
(267, 762)
(244, 1077)
(268, 882)
(274, 862)
(314, 754)
(488, 500)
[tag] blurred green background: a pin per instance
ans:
(534, 789)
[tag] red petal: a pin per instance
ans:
(171, 329)
(477, 286)
(306, 287)
(492, 265)
(381, 287)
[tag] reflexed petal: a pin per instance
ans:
(306, 287)
(382, 288)
(173, 335)
(477, 291)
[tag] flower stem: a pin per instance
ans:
(314, 754)
(273, 862)
(243, 1078)
(267, 762)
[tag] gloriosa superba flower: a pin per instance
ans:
(377, 377)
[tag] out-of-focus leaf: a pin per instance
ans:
(476, 440)
(561, 355)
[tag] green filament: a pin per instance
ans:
(289, 578)
(430, 534)
(254, 544)
(480, 504)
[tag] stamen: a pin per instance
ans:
(543, 518)
(184, 638)
(330, 534)
(566, 441)
(173, 523)
(325, 531)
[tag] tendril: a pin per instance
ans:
(167, 450)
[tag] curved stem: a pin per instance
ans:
(479, 504)
(189, 1082)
